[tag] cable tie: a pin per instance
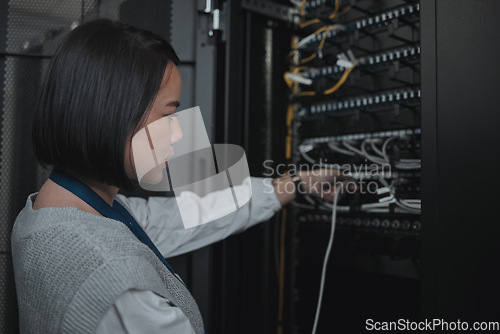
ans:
(298, 78)
(305, 40)
(383, 190)
(351, 56)
(306, 148)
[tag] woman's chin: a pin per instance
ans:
(154, 176)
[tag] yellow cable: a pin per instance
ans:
(294, 48)
(288, 81)
(302, 10)
(289, 118)
(345, 11)
(323, 39)
(340, 82)
(277, 220)
(333, 89)
(308, 23)
(320, 30)
(291, 83)
(300, 68)
(295, 87)
(306, 93)
(336, 10)
(311, 57)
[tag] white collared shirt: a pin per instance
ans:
(142, 311)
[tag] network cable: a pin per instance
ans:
(327, 255)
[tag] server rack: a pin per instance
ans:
(459, 83)
(419, 266)
(374, 269)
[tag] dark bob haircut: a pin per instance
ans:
(103, 78)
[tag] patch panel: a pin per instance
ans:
(365, 135)
(390, 152)
(384, 99)
(368, 62)
(399, 225)
(383, 19)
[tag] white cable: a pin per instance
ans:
(411, 160)
(363, 153)
(370, 157)
(308, 158)
(309, 199)
(403, 163)
(384, 147)
(399, 165)
(376, 149)
(378, 210)
(374, 205)
(306, 148)
(335, 148)
(351, 57)
(305, 40)
(340, 208)
(352, 148)
(344, 61)
(411, 203)
(412, 200)
(384, 182)
(406, 208)
(299, 79)
(413, 206)
(327, 254)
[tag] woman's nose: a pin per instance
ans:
(176, 132)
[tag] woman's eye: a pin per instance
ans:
(171, 114)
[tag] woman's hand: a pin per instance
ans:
(322, 183)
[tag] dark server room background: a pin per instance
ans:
(365, 84)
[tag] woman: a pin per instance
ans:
(78, 267)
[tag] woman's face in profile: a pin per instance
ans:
(152, 144)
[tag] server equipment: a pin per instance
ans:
(400, 96)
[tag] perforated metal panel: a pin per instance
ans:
(33, 31)
(40, 25)
(31, 35)
(156, 16)
(18, 169)
(8, 314)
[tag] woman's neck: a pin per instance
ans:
(53, 195)
(105, 191)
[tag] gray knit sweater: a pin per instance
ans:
(70, 267)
